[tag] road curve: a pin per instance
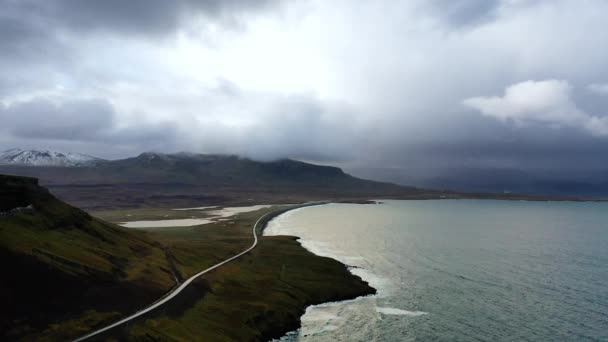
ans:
(179, 289)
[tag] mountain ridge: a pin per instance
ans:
(158, 179)
(33, 157)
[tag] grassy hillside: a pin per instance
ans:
(254, 298)
(62, 265)
(67, 273)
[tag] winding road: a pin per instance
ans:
(187, 282)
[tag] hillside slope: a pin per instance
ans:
(62, 265)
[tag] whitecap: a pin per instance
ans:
(395, 311)
(320, 315)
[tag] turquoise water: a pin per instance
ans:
(461, 270)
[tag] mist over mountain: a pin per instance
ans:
(496, 180)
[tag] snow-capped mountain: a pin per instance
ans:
(17, 156)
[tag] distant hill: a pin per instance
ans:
(186, 178)
(556, 182)
(519, 181)
(214, 169)
(17, 156)
(62, 265)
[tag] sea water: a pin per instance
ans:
(460, 270)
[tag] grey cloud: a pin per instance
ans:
(539, 102)
(294, 126)
(26, 38)
(598, 88)
(304, 127)
(163, 136)
(35, 31)
(462, 13)
(139, 17)
(41, 40)
(92, 121)
(74, 120)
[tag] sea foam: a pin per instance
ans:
(284, 225)
(395, 311)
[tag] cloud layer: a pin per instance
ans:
(544, 102)
(363, 84)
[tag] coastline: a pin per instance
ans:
(355, 271)
(259, 297)
(295, 324)
(435, 265)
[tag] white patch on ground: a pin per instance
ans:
(165, 223)
(395, 311)
(197, 208)
(215, 216)
(231, 211)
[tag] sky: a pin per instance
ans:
(400, 85)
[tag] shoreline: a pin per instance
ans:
(338, 300)
(296, 324)
(293, 279)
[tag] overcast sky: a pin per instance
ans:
(431, 83)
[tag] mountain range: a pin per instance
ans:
(157, 179)
(18, 156)
(169, 180)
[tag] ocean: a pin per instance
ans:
(460, 270)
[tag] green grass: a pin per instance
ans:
(70, 272)
(76, 327)
(145, 214)
(64, 265)
(254, 298)
(197, 248)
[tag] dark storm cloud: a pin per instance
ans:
(484, 143)
(303, 127)
(74, 120)
(91, 120)
(294, 126)
(140, 17)
(565, 150)
(464, 13)
(26, 37)
(35, 31)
